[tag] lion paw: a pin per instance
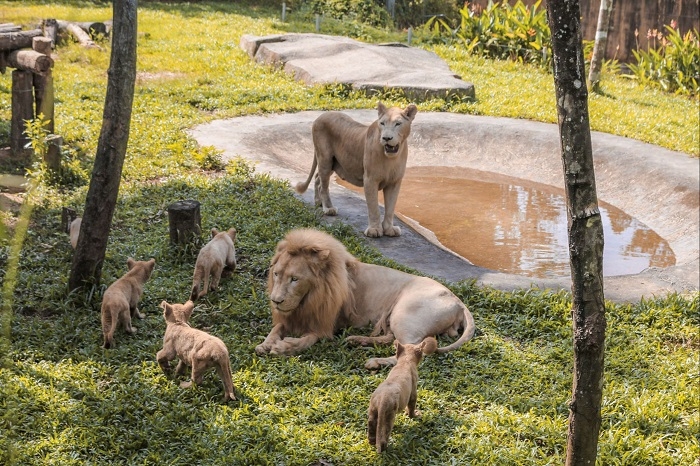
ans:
(262, 349)
(187, 384)
(392, 231)
(330, 211)
(372, 232)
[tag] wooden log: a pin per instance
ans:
(22, 110)
(30, 60)
(42, 44)
(9, 27)
(53, 154)
(44, 98)
(18, 40)
(50, 29)
(185, 221)
(75, 30)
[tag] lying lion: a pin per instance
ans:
(120, 301)
(316, 287)
(373, 157)
(195, 348)
(399, 391)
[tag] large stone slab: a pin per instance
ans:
(317, 58)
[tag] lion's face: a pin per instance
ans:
(395, 126)
(291, 278)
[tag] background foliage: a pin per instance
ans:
(502, 399)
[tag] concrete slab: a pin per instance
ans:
(318, 58)
(659, 187)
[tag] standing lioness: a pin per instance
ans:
(373, 157)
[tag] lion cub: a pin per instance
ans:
(193, 347)
(211, 260)
(120, 301)
(397, 392)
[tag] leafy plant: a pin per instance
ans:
(516, 32)
(673, 64)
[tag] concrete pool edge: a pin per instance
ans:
(652, 184)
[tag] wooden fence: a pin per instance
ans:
(628, 16)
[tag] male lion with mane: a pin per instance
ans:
(373, 157)
(316, 287)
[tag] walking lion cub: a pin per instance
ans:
(211, 260)
(397, 392)
(120, 301)
(194, 348)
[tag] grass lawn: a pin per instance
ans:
(500, 400)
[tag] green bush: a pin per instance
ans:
(519, 33)
(368, 12)
(674, 65)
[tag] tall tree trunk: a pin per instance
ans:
(111, 149)
(585, 231)
(601, 42)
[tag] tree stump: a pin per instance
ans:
(185, 221)
(67, 217)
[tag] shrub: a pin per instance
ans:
(518, 32)
(673, 65)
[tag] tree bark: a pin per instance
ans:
(101, 200)
(585, 231)
(601, 41)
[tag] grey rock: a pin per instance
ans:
(317, 58)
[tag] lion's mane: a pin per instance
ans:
(330, 303)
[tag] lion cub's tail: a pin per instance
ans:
(301, 187)
(469, 329)
(224, 370)
(197, 281)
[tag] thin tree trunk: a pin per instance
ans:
(601, 42)
(585, 232)
(111, 150)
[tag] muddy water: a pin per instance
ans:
(516, 226)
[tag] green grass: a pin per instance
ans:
(500, 400)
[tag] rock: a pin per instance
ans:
(317, 58)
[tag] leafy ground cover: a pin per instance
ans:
(502, 399)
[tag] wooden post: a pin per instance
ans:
(53, 154)
(185, 221)
(50, 28)
(43, 95)
(42, 44)
(22, 109)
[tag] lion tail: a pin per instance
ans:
(469, 330)
(301, 187)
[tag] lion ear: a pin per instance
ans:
(130, 263)
(214, 232)
(410, 112)
(323, 254)
(399, 348)
(381, 109)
